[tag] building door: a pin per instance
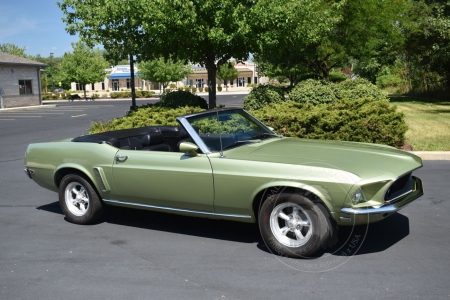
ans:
(115, 83)
(240, 82)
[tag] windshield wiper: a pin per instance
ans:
(242, 142)
(268, 134)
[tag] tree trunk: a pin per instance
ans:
(133, 92)
(84, 92)
(212, 71)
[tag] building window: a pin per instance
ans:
(92, 87)
(249, 80)
(199, 83)
(256, 80)
(80, 87)
(103, 86)
(128, 83)
(25, 87)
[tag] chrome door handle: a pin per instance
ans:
(120, 158)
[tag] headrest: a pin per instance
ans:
(151, 139)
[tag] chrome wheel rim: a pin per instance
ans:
(291, 224)
(77, 199)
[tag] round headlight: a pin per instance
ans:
(357, 197)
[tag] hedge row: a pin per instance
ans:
(150, 115)
(127, 94)
(362, 120)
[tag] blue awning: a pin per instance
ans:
(120, 75)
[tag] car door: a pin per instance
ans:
(167, 179)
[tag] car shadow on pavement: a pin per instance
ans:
(359, 240)
(195, 226)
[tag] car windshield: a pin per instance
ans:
(227, 129)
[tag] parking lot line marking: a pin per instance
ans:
(7, 119)
(27, 116)
(79, 116)
(34, 113)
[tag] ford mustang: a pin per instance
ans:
(226, 164)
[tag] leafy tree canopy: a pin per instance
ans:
(227, 72)
(84, 65)
(164, 71)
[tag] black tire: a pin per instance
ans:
(293, 226)
(79, 200)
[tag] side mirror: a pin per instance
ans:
(271, 128)
(189, 148)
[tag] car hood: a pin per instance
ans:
(362, 159)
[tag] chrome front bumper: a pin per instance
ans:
(391, 208)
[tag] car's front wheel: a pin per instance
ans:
(292, 225)
(78, 199)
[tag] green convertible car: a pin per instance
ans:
(226, 164)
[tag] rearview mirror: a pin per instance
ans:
(189, 148)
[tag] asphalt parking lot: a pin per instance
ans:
(146, 255)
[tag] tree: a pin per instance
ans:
(14, 50)
(342, 30)
(84, 65)
(208, 33)
(427, 46)
(114, 24)
(287, 69)
(227, 72)
(164, 71)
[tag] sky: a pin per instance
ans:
(35, 25)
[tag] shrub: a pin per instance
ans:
(314, 92)
(146, 115)
(194, 89)
(362, 120)
(388, 80)
(358, 89)
(219, 88)
(95, 96)
(262, 96)
(338, 76)
(181, 99)
(187, 88)
(173, 86)
(104, 96)
(200, 89)
(206, 89)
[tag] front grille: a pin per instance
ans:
(399, 189)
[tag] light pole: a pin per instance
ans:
(51, 66)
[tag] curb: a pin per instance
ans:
(432, 155)
(28, 107)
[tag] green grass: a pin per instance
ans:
(428, 121)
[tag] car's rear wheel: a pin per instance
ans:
(79, 200)
(292, 225)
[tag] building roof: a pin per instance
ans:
(12, 60)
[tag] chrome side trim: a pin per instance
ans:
(191, 131)
(100, 176)
(176, 209)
